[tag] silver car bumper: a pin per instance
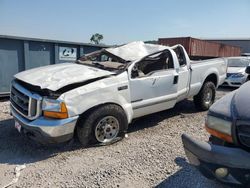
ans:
(46, 130)
(234, 82)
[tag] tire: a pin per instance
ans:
(205, 98)
(102, 126)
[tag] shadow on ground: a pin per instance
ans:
(188, 175)
(182, 109)
(4, 99)
(17, 149)
(226, 88)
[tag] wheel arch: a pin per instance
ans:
(87, 112)
(212, 77)
(84, 126)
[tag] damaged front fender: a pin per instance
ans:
(109, 90)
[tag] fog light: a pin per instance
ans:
(221, 172)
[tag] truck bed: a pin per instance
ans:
(218, 65)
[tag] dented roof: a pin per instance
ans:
(135, 50)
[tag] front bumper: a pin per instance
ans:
(234, 82)
(208, 158)
(46, 130)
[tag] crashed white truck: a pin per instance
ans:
(96, 97)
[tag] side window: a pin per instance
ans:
(152, 64)
(181, 56)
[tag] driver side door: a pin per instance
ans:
(153, 92)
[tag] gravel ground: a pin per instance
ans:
(151, 156)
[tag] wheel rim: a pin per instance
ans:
(208, 96)
(107, 129)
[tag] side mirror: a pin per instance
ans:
(248, 70)
(134, 72)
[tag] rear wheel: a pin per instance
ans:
(104, 125)
(205, 98)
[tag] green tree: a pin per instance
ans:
(96, 38)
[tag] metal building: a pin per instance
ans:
(243, 43)
(20, 53)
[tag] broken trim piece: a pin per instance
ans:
(18, 169)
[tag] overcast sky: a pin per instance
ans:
(125, 21)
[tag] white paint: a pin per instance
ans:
(135, 50)
(96, 93)
(54, 77)
(149, 94)
(156, 88)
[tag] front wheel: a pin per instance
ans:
(104, 125)
(205, 98)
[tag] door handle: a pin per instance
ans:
(176, 78)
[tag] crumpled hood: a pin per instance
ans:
(54, 77)
(236, 103)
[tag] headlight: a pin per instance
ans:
(219, 127)
(54, 109)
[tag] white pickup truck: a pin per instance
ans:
(97, 97)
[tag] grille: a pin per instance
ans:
(230, 74)
(20, 101)
(24, 102)
(243, 130)
(236, 83)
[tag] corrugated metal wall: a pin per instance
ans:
(11, 61)
(19, 54)
(201, 48)
(244, 44)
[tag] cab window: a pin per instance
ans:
(152, 64)
(180, 56)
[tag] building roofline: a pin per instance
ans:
(50, 40)
(227, 39)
